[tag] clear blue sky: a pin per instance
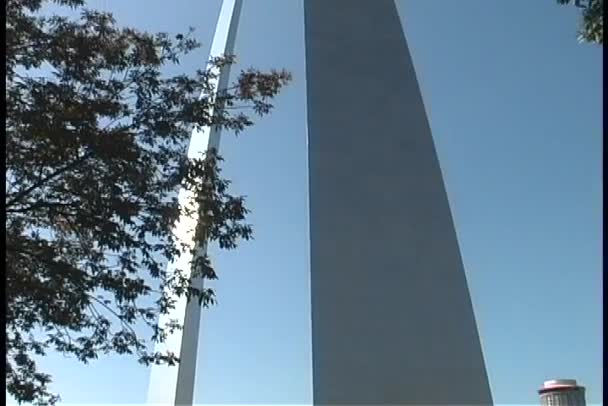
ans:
(515, 104)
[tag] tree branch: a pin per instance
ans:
(41, 182)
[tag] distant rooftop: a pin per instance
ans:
(558, 384)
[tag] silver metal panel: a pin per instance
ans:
(174, 385)
(189, 347)
(392, 320)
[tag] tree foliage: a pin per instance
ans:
(95, 151)
(592, 25)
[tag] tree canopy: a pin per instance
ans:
(96, 137)
(592, 25)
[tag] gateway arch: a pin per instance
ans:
(392, 318)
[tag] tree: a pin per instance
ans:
(592, 26)
(95, 150)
